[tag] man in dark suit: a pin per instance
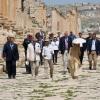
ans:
(62, 42)
(93, 49)
(42, 34)
(65, 43)
(11, 55)
(82, 48)
(25, 45)
(89, 37)
(72, 36)
(41, 42)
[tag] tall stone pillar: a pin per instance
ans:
(1, 8)
(14, 10)
(18, 5)
(11, 11)
(6, 12)
(1, 11)
(4, 9)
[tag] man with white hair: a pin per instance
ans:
(64, 48)
(11, 55)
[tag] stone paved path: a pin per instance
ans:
(87, 87)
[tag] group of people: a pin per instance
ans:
(42, 51)
(73, 51)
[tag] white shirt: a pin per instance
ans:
(66, 43)
(93, 45)
(37, 51)
(47, 52)
(55, 45)
(81, 44)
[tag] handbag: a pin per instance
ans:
(27, 62)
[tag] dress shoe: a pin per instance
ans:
(27, 73)
(14, 77)
(90, 68)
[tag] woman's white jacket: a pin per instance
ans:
(33, 52)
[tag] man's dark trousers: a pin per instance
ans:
(11, 68)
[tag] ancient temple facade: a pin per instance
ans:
(31, 15)
(7, 12)
(23, 15)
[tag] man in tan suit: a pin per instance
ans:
(93, 49)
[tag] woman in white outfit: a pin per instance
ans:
(33, 56)
(55, 45)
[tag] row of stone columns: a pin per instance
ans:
(7, 12)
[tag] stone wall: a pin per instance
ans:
(73, 22)
(58, 22)
(7, 12)
(61, 23)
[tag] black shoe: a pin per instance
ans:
(74, 77)
(14, 77)
(94, 68)
(68, 70)
(27, 73)
(9, 77)
(90, 68)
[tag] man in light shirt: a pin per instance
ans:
(64, 47)
(93, 49)
(47, 55)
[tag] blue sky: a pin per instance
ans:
(70, 1)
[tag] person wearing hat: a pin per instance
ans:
(74, 60)
(47, 55)
(11, 55)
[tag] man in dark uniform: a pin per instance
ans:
(11, 55)
(25, 45)
(41, 42)
(82, 48)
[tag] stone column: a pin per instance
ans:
(11, 11)
(18, 4)
(1, 8)
(1, 11)
(4, 9)
(14, 11)
(6, 12)
(54, 21)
